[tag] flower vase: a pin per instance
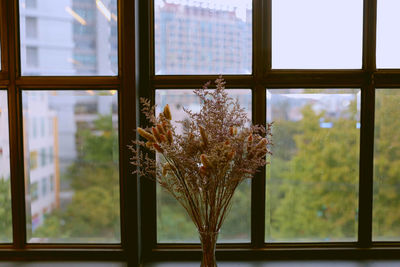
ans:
(208, 244)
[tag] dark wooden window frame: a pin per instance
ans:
(136, 78)
(125, 83)
(368, 78)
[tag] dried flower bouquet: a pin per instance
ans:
(203, 166)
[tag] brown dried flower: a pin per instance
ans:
(203, 166)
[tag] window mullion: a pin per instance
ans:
(261, 63)
(258, 182)
(15, 132)
(367, 128)
(145, 70)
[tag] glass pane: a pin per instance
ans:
(5, 187)
(173, 224)
(387, 39)
(386, 215)
(312, 182)
(69, 37)
(71, 161)
(203, 36)
(315, 34)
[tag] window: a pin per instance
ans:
(31, 27)
(85, 167)
(66, 165)
(44, 187)
(64, 35)
(72, 72)
(317, 82)
(30, 3)
(51, 154)
(43, 157)
(34, 191)
(33, 156)
(51, 179)
(6, 233)
(32, 57)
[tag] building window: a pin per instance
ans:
(34, 191)
(51, 178)
(44, 187)
(43, 157)
(31, 27)
(33, 159)
(32, 58)
(42, 126)
(31, 3)
(51, 154)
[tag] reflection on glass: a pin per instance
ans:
(387, 39)
(312, 182)
(71, 166)
(315, 34)
(203, 36)
(173, 224)
(69, 37)
(5, 187)
(386, 205)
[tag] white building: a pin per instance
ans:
(4, 144)
(41, 159)
(46, 37)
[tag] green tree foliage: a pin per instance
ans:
(313, 182)
(5, 211)
(386, 215)
(94, 210)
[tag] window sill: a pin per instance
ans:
(370, 263)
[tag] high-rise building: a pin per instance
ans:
(200, 37)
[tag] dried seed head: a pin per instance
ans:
(163, 138)
(165, 125)
(204, 160)
(263, 142)
(169, 137)
(167, 112)
(203, 136)
(190, 136)
(203, 170)
(161, 129)
(232, 130)
(158, 148)
(262, 153)
(146, 135)
(231, 155)
(156, 134)
(149, 144)
(250, 139)
(166, 168)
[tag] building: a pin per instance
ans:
(47, 37)
(42, 176)
(189, 33)
(69, 37)
(4, 140)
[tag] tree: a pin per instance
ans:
(93, 212)
(386, 215)
(5, 211)
(316, 195)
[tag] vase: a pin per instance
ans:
(208, 244)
